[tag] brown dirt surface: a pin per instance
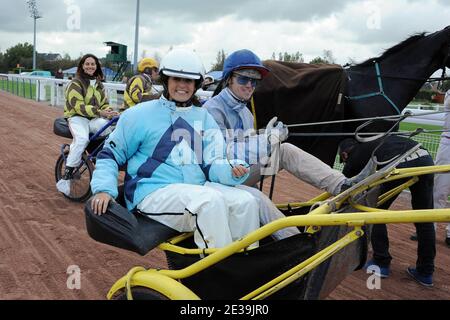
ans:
(42, 233)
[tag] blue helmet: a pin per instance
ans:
(243, 59)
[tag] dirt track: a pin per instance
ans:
(42, 233)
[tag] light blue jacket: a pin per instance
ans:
(236, 122)
(162, 145)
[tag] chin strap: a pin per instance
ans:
(236, 98)
(183, 104)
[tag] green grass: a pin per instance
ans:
(26, 89)
(22, 89)
(406, 126)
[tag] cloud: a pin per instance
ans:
(356, 29)
(397, 20)
(101, 14)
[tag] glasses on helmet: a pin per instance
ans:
(243, 80)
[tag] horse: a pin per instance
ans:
(382, 86)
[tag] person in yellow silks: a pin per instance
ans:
(139, 87)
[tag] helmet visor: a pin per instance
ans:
(181, 74)
(249, 73)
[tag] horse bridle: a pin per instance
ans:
(378, 93)
(380, 82)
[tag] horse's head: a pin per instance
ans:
(386, 84)
(422, 54)
(447, 59)
(440, 44)
(447, 64)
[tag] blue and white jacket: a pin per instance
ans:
(162, 145)
(236, 123)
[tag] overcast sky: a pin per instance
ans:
(351, 29)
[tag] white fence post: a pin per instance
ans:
(38, 91)
(53, 94)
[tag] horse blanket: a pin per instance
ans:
(303, 93)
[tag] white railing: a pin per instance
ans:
(52, 90)
(436, 119)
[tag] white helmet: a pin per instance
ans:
(182, 63)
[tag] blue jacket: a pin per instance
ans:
(162, 145)
(236, 123)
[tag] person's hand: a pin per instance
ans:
(283, 131)
(270, 125)
(239, 171)
(114, 114)
(100, 202)
(108, 113)
(276, 129)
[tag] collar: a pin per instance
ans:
(172, 105)
(186, 104)
(166, 103)
(232, 101)
(147, 77)
(93, 83)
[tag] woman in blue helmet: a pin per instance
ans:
(177, 173)
(242, 71)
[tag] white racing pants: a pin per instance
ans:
(80, 127)
(217, 214)
(268, 212)
(442, 180)
(302, 165)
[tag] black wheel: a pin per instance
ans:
(140, 293)
(80, 187)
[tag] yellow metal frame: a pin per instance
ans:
(166, 281)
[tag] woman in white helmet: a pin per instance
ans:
(177, 172)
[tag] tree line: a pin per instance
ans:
(22, 54)
(327, 58)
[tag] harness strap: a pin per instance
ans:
(379, 93)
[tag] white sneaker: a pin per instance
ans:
(63, 186)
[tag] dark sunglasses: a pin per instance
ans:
(243, 80)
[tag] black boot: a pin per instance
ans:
(68, 173)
